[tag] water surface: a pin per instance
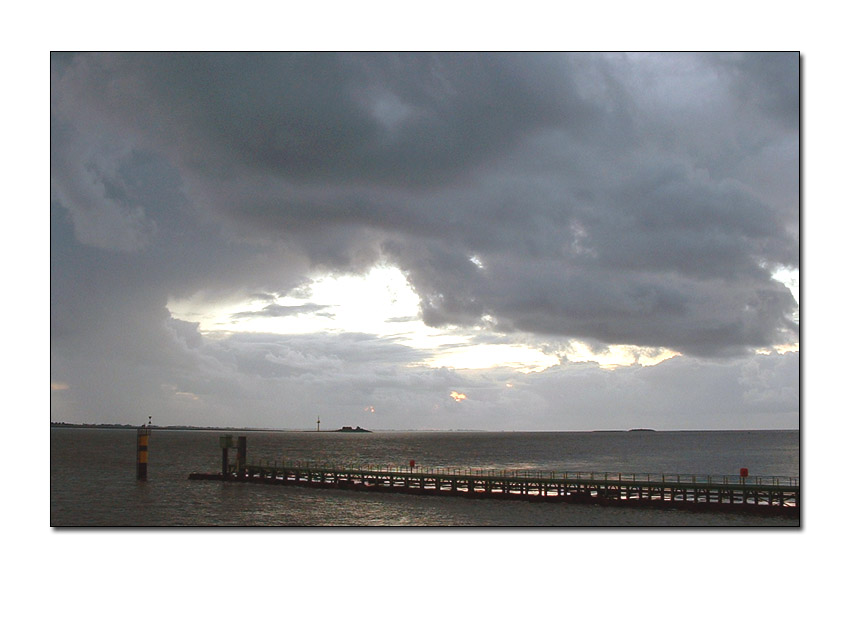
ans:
(93, 476)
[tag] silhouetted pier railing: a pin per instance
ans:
(756, 494)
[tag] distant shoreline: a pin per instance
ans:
(399, 430)
(203, 428)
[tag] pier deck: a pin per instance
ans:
(769, 495)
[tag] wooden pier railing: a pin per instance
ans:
(771, 495)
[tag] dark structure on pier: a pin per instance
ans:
(233, 471)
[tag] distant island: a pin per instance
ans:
(349, 429)
(630, 430)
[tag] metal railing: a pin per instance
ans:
(529, 474)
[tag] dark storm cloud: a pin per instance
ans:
(765, 81)
(639, 199)
(394, 119)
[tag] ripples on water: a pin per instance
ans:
(93, 477)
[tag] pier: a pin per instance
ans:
(767, 495)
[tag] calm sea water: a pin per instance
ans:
(92, 476)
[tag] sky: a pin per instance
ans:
(513, 241)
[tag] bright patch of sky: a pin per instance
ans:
(790, 277)
(382, 303)
(481, 356)
(617, 355)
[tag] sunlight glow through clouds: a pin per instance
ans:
(617, 356)
(345, 303)
(181, 395)
(481, 356)
(791, 279)
(382, 303)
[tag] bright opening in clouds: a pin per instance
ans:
(577, 241)
(457, 396)
(380, 303)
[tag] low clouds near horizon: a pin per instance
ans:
(644, 200)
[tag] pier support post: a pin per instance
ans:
(241, 453)
(226, 442)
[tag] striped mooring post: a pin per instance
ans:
(142, 437)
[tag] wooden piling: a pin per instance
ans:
(225, 442)
(241, 455)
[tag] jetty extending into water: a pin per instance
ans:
(767, 495)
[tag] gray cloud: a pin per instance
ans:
(274, 381)
(281, 310)
(637, 199)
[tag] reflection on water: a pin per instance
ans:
(93, 476)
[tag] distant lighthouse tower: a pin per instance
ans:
(318, 421)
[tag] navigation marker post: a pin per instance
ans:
(142, 438)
